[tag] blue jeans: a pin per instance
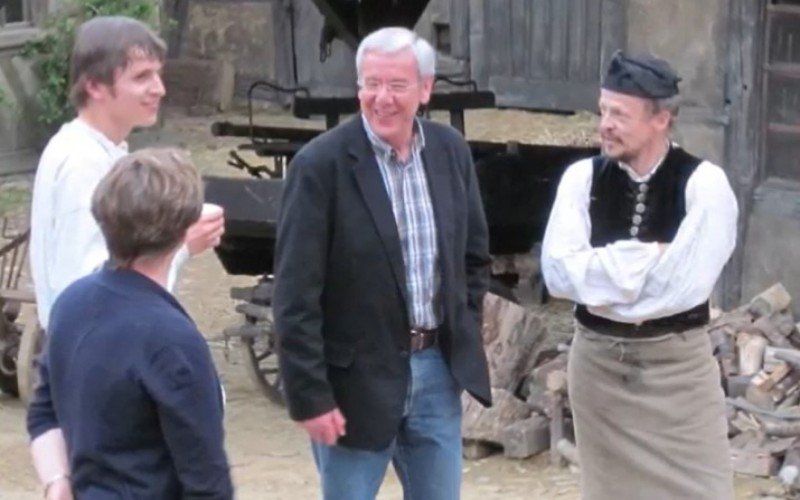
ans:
(426, 453)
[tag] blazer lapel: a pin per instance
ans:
(370, 182)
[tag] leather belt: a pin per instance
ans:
(422, 338)
(693, 318)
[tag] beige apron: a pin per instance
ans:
(649, 417)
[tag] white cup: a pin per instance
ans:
(210, 210)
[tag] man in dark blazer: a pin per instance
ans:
(381, 267)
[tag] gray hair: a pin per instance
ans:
(670, 104)
(395, 39)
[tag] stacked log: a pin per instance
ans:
(758, 349)
(528, 387)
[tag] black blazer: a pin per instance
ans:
(339, 304)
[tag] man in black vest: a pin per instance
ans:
(637, 238)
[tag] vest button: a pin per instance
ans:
(643, 187)
(637, 219)
(634, 231)
(639, 208)
(641, 197)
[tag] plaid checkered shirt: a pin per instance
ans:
(407, 187)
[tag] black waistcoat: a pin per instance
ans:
(652, 211)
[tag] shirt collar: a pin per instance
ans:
(114, 150)
(383, 149)
(646, 177)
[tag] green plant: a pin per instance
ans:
(51, 52)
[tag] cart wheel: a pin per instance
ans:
(9, 342)
(261, 361)
(30, 346)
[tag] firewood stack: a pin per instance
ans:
(758, 349)
(529, 387)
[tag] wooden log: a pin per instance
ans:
(777, 355)
(556, 415)
(771, 332)
(736, 385)
(512, 336)
(751, 352)
(789, 474)
(556, 381)
(526, 438)
(784, 322)
(765, 380)
(488, 424)
(568, 451)
(786, 387)
(774, 299)
(475, 450)
(754, 462)
(540, 373)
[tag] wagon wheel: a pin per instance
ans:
(261, 357)
(30, 346)
(9, 343)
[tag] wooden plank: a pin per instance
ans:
(743, 136)
(614, 29)
(544, 94)
(592, 41)
(519, 49)
(499, 39)
(783, 9)
(459, 29)
(539, 66)
(559, 40)
(576, 55)
(479, 64)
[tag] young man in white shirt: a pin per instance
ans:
(637, 238)
(116, 85)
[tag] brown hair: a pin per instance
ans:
(146, 203)
(104, 45)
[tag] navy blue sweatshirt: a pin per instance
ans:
(130, 381)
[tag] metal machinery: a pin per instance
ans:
(517, 181)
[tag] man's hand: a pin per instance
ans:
(326, 428)
(206, 232)
(59, 490)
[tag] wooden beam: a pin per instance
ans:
(742, 136)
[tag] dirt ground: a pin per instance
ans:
(269, 455)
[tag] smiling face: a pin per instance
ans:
(391, 91)
(135, 96)
(629, 125)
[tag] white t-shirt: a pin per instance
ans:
(66, 243)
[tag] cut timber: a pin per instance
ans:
(488, 424)
(512, 336)
(475, 450)
(765, 381)
(526, 438)
(199, 83)
(771, 332)
(751, 352)
(755, 462)
(556, 414)
(773, 299)
(568, 451)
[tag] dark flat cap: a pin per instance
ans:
(641, 76)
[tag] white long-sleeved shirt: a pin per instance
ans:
(66, 242)
(629, 280)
